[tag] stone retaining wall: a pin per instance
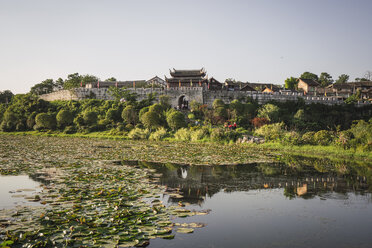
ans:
(191, 93)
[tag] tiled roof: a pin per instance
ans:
(310, 82)
(187, 73)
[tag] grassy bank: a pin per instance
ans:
(203, 153)
(331, 152)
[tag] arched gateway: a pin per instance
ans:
(183, 102)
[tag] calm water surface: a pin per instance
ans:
(16, 190)
(269, 205)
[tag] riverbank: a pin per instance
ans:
(91, 197)
(201, 153)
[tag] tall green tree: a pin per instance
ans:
(72, 81)
(75, 80)
(111, 79)
(270, 112)
(59, 83)
(64, 118)
(325, 79)
(44, 121)
(291, 83)
(6, 96)
(367, 77)
(343, 78)
(130, 115)
(176, 120)
(120, 94)
(44, 87)
(151, 120)
(361, 79)
(309, 75)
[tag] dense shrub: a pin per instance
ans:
(30, 122)
(20, 126)
(308, 138)
(362, 132)
(151, 120)
(194, 106)
(191, 116)
(69, 130)
(157, 108)
(79, 121)
(9, 121)
(164, 101)
(221, 113)
(217, 134)
(176, 120)
(130, 127)
(90, 118)
(258, 122)
(44, 122)
(64, 118)
(199, 134)
(292, 138)
(323, 137)
(130, 115)
(3, 108)
(271, 131)
(237, 108)
(113, 115)
(138, 133)
(270, 112)
(142, 112)
(120, 127)
(344, 139)
(159, 134)
(182, 134)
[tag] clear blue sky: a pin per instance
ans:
(255, 41)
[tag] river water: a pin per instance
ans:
(18, 191)
(269, 205)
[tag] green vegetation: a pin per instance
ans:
(291, 123)
(6, 96)
(309, 75)
(291, 83)
(343, 78)
(325, 79)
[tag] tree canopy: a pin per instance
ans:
(325, 79)
(343, 78)
(176, 120)
(44, 87)
(6, 96)
(309, 75)
(122, 94)
(111, 79)
(75, 80)
(291, 83)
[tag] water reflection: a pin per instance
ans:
(196, 183)
(18, 191)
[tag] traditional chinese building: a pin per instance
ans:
(344, 90)
(191, 78)
(308, 86)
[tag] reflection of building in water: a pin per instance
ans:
(301, 190)
(184, 173)
(198, 182)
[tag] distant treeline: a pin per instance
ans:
(288, 122)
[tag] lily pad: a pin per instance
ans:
(185, 230)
